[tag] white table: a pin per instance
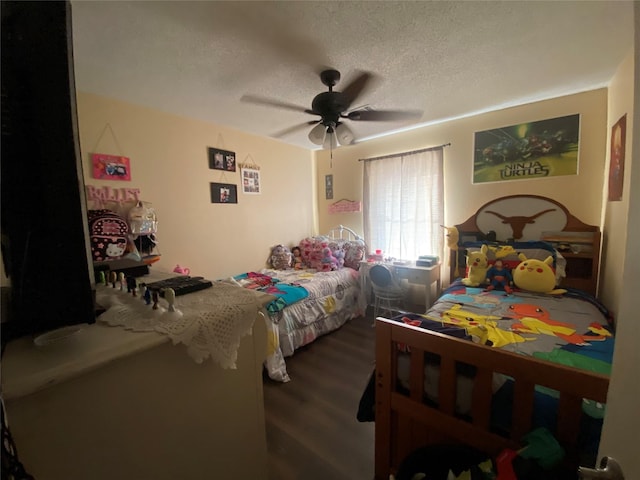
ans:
(414, 274)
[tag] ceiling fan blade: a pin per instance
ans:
(268, 102)
(357, 86)
(384, 115)
(294, 128)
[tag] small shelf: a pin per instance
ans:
(577, 255)
(569, 239)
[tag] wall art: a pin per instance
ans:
(328, 187)
(100, 196)
(222, 160)
(250, 181)
(110, 167)
(616, 166)
(345, 206)
(545, 148)
(224, 193)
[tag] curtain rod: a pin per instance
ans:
(405, 153)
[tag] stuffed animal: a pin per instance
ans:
(536, 276)
(280, 258)
(453, 237)
(353, 253)
(477, 264)
(339, 254)
(329, 261)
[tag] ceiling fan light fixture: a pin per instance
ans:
(330, 140)
(344, 134)
(316, 135)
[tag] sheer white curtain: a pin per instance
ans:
(403, 204)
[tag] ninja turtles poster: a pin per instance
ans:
(546, 148)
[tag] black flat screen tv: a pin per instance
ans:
(45, 249)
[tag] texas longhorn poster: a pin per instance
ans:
(540, 149)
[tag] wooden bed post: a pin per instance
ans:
(383, 447)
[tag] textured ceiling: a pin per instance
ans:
(448, 59)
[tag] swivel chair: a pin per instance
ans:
(388, 294)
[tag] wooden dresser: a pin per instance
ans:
(108, 403)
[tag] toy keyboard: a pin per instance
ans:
(182, 285)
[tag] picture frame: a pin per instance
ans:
(328, 187)
(250, 181)
(111, 167)
(616, 165)
(224, 193)
(528, 150)
(222, 159)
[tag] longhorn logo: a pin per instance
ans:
(519, 222)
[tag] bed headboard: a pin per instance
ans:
(534, 217)
(343, 233)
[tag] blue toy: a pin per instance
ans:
(499, 277)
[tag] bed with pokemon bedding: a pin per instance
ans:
(308, 303)
(528, 315)
(568, 327)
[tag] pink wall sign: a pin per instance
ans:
(100, 196)
(345, 206)
(110, 167)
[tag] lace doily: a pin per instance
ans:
(210, 322)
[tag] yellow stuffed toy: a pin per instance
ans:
(536, 276)
(477, 266)
(452, 243)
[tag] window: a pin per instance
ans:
(403, 204)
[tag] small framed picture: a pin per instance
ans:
(250, 181)
(110, 167)
(616, 166)
(224, 193)
(328, 187)
(222, 160)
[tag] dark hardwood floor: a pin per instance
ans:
(312, 430)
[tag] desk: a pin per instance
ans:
(426, 276)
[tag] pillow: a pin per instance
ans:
(347, 253)
(534, 249)
(312, 251)
(508, 252)
(535, 275)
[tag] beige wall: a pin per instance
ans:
(581, 193)
(622, 422)
(169, 165)
(169, 152)
(621, 94)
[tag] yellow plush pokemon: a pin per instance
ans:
(536, 276)
(452, 243)
(477, 265)
(452, 237)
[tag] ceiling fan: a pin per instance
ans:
(333, 107)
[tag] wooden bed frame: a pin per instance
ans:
(404, 422)
(537, 218)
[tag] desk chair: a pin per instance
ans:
(388, 294)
